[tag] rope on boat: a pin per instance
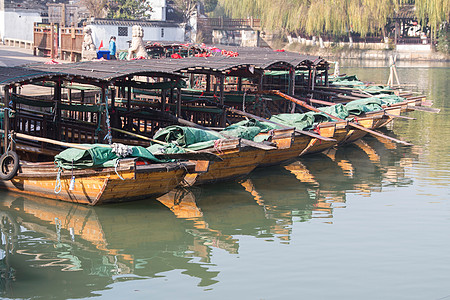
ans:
(218, 146)
(115, 168)
(11, 138)
(121, 150)
(108, 123)
(58, 186)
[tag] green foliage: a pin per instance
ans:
(433, 11)
(209, 5)
(443, 44)
(338, 17)
(128, 9)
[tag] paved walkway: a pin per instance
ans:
(13, 56)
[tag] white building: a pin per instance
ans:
(159, 10)
(156, 31)
(17, 19)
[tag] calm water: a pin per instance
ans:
(368, 221)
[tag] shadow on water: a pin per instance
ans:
(78, 250)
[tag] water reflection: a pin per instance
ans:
(79, 250)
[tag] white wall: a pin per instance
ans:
(414, 48)
(158, 10)
(104, 32)
(19, 24)
(2, 24)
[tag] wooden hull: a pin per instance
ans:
(335, 130)
(97, 186)
(236, 163)
(281, 154)
(289, 146)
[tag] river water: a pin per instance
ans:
(367, 221)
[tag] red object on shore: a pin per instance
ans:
(52, 62)
(176, 56)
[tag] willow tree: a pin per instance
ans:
(433, 12)
(315, 16)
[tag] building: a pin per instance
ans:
(17, 18)
(157, 31)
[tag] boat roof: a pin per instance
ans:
(11, 75)
(250, 62)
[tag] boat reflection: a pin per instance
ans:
(85, 249)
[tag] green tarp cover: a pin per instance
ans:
(343, 78)
(388, 100)
(304, 121)
(187, 137)
(353, 82)
(337, 110)
(357, 107)
(96, 156)
(360, 106)
(249, 129)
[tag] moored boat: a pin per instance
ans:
(131, 180)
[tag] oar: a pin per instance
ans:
(331, 104)
(399, 116)
(362, 128)
(308, 133)
(49, 141)
(193, 155)
(422, 108)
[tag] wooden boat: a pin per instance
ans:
(131, 180)
(237, 161)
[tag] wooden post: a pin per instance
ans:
(113, 97)
(57, 97)
(179, 102)
(223, 119)
(191, 80)
(63, 15)
(239, 87)
(291, 81)
(208, 82)
(163, 97)
(292, 87)
(69, 97)
(14, 124)
(309, 77)
(104, 125)
(128, 118)
(52, 41)
(6, 118)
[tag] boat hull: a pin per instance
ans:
(97, 186)
(236, 163)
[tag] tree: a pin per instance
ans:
(128, 9)
(209, 5)
(434, 12)
(186, 7)
(96, 8)
(333, 16)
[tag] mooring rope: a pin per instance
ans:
(58, 186)
(115, 168)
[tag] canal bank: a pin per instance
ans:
(345, 52)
